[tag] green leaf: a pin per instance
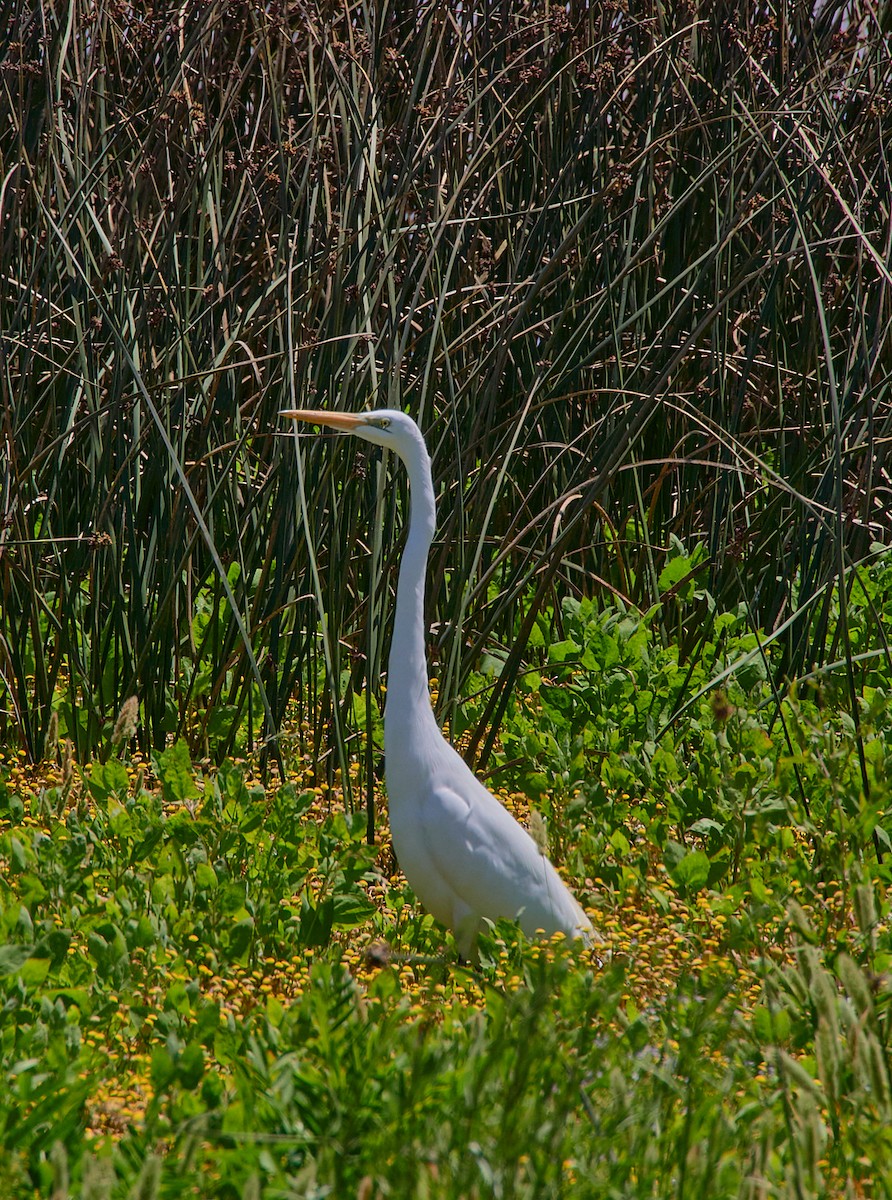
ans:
(692, 871)
(706, 825)
(34, 971)
(177, 998)
(351, 909)
(13, 958)
(674, 571)
(190, 1066)
(162, 1070)
(221, 720)
(205, 876)
(144, 848)
(771, 1025)
(563, 651)
(77, 998)
(316, 922)
(213, 1089)
(275, 1011)
(18, 855)
(174, 769)
(208, 1020)
(240, 936)
(108, 779)
(230, 780)
(620, 843)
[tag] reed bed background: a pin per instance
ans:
(628, 266)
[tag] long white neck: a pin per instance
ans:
(408, 695)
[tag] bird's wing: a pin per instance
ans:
(486, 858)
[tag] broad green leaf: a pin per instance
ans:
(162, 1069)
(692, 871)
(34, 971)
(351, 909)
(174, 768)
(673, 572)
(12, 958)
(190, 1066)
(108, 779)
(559, 652)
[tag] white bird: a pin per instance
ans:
(464, 855)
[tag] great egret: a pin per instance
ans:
(463, 853)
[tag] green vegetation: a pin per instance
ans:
(628, 265)
(210, 985)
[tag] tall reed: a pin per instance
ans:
(629, 270)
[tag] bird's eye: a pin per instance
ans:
(382, 423)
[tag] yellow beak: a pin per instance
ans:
(346, 422)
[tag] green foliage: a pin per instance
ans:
(624, 742)
(122, 921)
(134, 890)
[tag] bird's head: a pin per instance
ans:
(384, 426)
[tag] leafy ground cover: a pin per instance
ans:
(214, 986)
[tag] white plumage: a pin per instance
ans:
(463, 853)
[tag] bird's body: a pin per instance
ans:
(462, 852)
